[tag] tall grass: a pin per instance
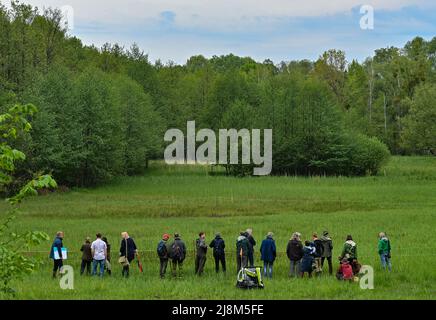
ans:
(400, 201)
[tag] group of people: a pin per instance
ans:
(307, 258)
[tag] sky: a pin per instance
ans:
(280, 30)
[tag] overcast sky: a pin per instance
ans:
(274, 29)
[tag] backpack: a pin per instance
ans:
(218, 248)
(176, 250)
(161, 249)
(319, 248)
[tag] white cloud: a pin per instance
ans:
(212, 14)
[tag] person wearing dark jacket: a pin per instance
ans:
(177, 254)
(308, 259)
(268, 254)
(319, 249)
(294, 251)
(251, 244)
(200, 258)
(327, 253)
(219, 255)
(242, 248)
(86, 257)
(384, 250)
(107, 264)
(57, 245)
(127, 249)
(162, 252)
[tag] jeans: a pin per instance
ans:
(295, 268)
(329, 260)
(220, 258)
(163, 267)
(100, 263)
(385, 261)
(87, 265)
(268, 269)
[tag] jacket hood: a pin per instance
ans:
(241, 238)
(351, 242)
(325, 238)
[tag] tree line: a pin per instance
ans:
(103, 111)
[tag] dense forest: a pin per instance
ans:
(103, 111)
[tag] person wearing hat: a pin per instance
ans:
(177, 253)
(219, 255)
(327, 253)
(268, 254)
(162, 252)
(86, 257)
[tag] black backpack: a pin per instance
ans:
(218, 248)
(177, 253)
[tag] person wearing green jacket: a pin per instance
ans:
(242, 248)
(384, 250)
(349, 250)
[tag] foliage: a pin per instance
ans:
(13, 264)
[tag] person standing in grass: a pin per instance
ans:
(86, 257)
(200, 258)
(108, 265)
(327, 253)
(268, 254)
(242, 248)
(294, 251)
(162, 252)
(308, 259)
(384, 250)
(99, 254)
(251, 244)
(57, 245)
(128, 250)
(319, 250)
(177, 255)
(218, 245)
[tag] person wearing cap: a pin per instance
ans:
(162, 252)
(218, 245)
(177, 254)
(327, 253)
(86, 257)
(201, 255)
(268, 254)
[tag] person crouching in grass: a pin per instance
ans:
(86, 257)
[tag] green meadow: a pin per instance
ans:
(401, 201)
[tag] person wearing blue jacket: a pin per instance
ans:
(57, 245)
(268, 254)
